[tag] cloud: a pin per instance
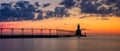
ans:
(24, 10)
(49, 14)
(61, 12)
(37, 4)
(46, 5)
(58, 12)
(68, 3)
(93, 6)
(40, 15)
(103, 7)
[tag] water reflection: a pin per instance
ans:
(92, 43)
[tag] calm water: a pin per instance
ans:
(90, 43)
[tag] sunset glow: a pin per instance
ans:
(92, 25)
(53, 15)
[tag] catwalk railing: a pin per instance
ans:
(50, 33)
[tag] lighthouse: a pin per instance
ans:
(78, 31)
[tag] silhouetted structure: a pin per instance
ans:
(79, 32)
(58, 33)
(41, 34)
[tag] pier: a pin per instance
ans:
(57, 33)
(48, 34)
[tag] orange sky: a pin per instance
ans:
(93, 24)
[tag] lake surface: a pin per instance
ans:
(90, 43)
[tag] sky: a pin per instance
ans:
(94, 16)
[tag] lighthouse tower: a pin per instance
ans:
(78, 31)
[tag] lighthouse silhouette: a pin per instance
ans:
(78, 31)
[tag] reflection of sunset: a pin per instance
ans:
(92, 25)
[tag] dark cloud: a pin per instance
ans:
(58, 12)
(40, 15)
(22, 4)
(103, 7)
(24, 10)
(49, 14)
(61, 12)
(89, 8)
(93, 6)
(68, 3)
(37, 4)
(46, 5)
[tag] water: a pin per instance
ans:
(90, 43)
